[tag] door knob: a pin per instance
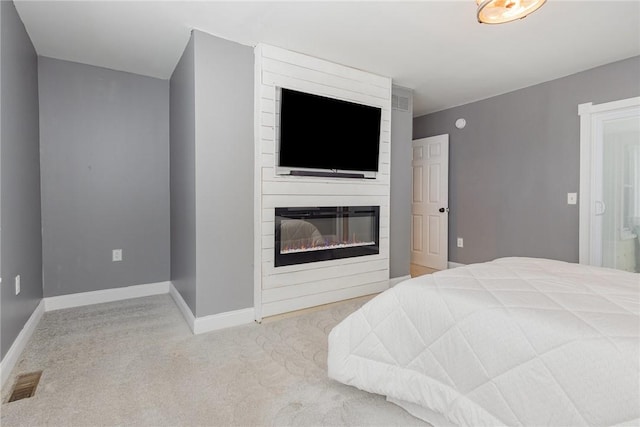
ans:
(444, 209)
(603, 208)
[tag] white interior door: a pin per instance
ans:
(430, 202)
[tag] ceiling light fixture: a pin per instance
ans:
(501, 11)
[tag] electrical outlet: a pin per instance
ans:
(572, 198)
(460, 242)
(116, 255)
(17, 282)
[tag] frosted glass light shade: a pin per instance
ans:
(501, 11)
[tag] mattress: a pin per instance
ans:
(515, 341)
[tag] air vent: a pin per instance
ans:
(400, 103)
(25, 386)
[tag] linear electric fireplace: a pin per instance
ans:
(313, 234)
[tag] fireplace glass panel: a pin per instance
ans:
(323, 233)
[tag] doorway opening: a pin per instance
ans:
(610, 184)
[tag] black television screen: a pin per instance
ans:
(317, 132)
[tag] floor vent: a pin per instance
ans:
(25, 386)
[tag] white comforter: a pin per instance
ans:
(516, 341)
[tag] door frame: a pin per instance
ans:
(592, 118)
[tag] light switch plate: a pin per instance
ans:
(572, 198)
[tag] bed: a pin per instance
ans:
(515, 341)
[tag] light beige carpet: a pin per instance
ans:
(135, 362)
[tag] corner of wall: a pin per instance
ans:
(401, 154)
(182, 177)
(224, 160)
(20, 194)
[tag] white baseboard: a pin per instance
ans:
(395, 280)
(200, 325)
(452, 264)
(223, 320)
(11, 357)
(105, 295)
(182, 306)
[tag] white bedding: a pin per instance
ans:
(516, 341)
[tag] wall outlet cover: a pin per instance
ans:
(572, 198)
(460, 242)
(116, 255)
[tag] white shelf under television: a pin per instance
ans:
(324, 173)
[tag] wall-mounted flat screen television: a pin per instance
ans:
(317, 132)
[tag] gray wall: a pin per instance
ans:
(212, 167)
(105, 177)
(21, 239)
(513, 164)
(224, 174)
(183, 177)
(400, 211)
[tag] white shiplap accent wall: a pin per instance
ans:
(282, 289)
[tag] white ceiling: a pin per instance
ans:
(434, 47)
